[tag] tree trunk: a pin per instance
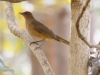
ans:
(79, 51)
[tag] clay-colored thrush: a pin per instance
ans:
(39, 30)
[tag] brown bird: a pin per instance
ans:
(39, 30)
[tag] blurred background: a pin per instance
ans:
(56, 15)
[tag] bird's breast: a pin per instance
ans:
(34, 33)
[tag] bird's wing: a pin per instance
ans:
(42, 29)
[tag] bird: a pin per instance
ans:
(39, 30)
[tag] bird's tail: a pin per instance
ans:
(62, 40)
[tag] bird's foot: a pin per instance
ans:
(37, 48)
(33, 43)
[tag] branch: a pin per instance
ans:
(13, 27)
(13, 1)
(78, 30)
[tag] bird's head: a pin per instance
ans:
(27, 15)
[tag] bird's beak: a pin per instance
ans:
(21, 13)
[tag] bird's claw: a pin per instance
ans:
(33, 43)
(37, 48)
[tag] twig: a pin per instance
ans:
(78, 30)
(13, 27)
(77, 23)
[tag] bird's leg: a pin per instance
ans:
(42, 43)
(36, 42)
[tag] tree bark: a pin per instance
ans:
(79, 51)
